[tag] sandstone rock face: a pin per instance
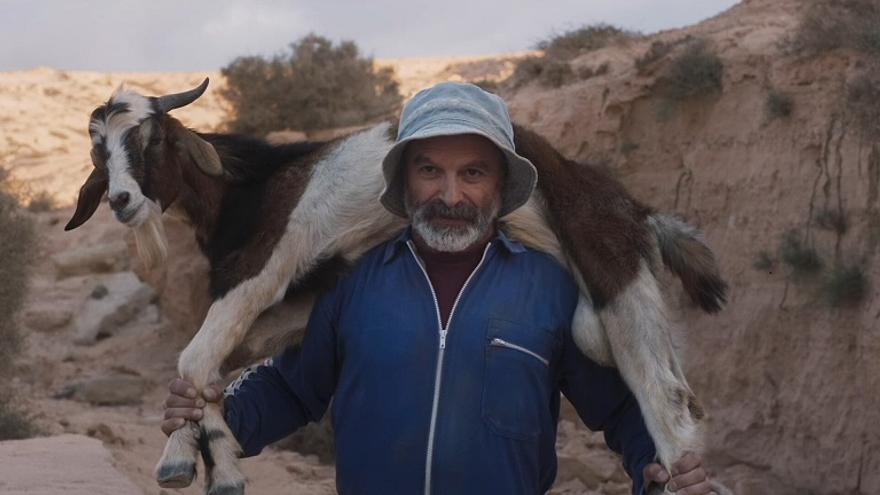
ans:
(69, 464)
(115, 299)
(792, 386)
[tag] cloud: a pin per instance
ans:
(208, 34)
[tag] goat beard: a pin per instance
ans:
(451, 238)
(149, 236)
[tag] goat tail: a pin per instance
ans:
(685, 253)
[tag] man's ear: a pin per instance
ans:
(89, 198)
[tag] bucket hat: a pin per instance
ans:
(452, 108)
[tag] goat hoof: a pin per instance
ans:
(235, 489)
(176, 475)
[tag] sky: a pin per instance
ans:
(171, 35)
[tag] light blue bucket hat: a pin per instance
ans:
(451, 108)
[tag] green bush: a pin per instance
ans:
(834, 24)
(778, 105)
(317, 85)
(844, 286)
(549, 72)
(14, 423)
(570, 44)
(803, 259)
(764, 262)
(696, 72)
(863, 101)
(831, 219)
(17, 242)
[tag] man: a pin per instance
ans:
(444, 350)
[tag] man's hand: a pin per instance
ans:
(184, 403)
(688, 476)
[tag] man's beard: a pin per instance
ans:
(451, 238)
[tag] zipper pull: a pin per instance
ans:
(443, 339)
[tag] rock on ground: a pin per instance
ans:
(69, 464)
(114, 301)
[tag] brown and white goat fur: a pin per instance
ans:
(270, 217)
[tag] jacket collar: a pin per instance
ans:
(393, 247)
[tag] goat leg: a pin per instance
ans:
(638, 331)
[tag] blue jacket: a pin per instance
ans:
(471, 409)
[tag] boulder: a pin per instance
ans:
(114, 300)
(115, 389)
(100, 258)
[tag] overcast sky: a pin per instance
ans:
(125, 35)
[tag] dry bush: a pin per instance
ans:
(763, 262)
(803, 259)
(834, 24)
(315, 86)
(863, 101)
(552, 69)
(845, 286)
(831, 219)
(695, 72)
(778, 105)
(657, 51)
(17, 242)
(570, 44)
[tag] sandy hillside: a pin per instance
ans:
(790, 385)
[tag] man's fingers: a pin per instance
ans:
(688, 462)
(184, 413)
(213, 392)
(703, 488)
(183, 388)
(655, 472)
(170, 425)
(178, 401)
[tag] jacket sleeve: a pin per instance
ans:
(270, 401)
(605, 403)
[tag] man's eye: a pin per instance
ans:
(474, 172)
(428, 169)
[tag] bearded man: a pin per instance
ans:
(444, 350)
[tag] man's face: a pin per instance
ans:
(453, 189)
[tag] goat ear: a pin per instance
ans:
(89, 198)
(200, 151)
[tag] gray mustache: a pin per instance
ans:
(461, 211)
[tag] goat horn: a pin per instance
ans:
(170, 102)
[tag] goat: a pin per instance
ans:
(274, 221)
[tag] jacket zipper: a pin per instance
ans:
(441, 351)
(496, 342)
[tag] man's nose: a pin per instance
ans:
(451, 192)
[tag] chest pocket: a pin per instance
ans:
(518, 379)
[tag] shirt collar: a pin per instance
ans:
(394, 246)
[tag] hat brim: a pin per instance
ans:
(520, 180)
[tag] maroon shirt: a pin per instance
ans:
(449, 271)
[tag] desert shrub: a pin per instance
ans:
(803, 259)
(763, 262)
(863, 101)
(831, 219)
(17, 240)
(488, 85)
(41, 202)
(778, 105)
(695, 72)
(657, 51)
(316, 85)
(15, 424)
(832, 24)
(547, 71)
(844, 285)
(572, 43)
